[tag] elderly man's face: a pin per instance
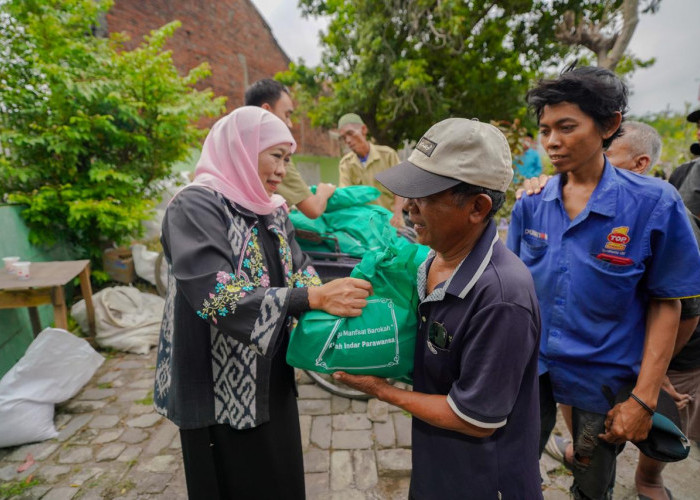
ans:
(354, 137)
(439, 221)
(620, 154)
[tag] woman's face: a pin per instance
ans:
(272, 166)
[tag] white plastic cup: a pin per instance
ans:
(9, 263)
(22, 269)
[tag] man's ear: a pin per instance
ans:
(642, 164)
(613, 124)
(266, 106)
(480, 207)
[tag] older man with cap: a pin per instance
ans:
(364, 161)
(474, 398)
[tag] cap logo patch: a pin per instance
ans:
(426, 146)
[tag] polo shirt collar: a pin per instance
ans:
(468, 271)
(373, 155)
(603, 201)
(604, 198)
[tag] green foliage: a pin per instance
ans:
(593, 28)
(147, 401)
(677, 134)
(9, 489)
(406, 65)
(88, 127)
(516, 134)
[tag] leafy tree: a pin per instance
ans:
(605, 28)
(677, 134)
(88, 129)
(404, 65)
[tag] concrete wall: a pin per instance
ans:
(15, 328)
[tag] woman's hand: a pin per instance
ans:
(341, 297)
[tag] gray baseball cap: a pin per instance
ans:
(452, 151)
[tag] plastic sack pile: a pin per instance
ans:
(55, 367)
(126, 318)
(379, 342)
(346, 221)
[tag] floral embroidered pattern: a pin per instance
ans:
(230, 289)
(304, 277)
(252, 273)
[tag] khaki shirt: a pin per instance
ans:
(352, 173)
(293, 188)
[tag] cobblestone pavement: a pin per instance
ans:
(113, 445)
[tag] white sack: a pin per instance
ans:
(145, 264)
(125, 318)
(168, 188)
(55, 367)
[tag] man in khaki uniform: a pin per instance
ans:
(364, 161)
(273, 96)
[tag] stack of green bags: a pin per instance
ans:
(346, 220)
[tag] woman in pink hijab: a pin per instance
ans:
(237, 277)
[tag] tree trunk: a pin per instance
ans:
(609, 50)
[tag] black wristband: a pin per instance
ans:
(642, 403)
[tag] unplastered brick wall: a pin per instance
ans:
(230, 35)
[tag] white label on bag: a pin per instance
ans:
(352, 344)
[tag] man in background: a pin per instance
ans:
(680, 173)
(364, 161)
(273, 96)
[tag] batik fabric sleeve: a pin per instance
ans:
(219, 268)
(223, 322)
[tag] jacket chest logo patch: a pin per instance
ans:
(618, 239)
(536, 234)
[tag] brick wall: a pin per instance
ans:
(230, 35)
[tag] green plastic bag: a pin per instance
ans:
(349, 227)
(381, 341)
(354, 231)
(301, 221)
(350, 196)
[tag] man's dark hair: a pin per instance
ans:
(597, 91)
(463, 191)
(264, 91)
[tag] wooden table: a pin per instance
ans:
(45, 286)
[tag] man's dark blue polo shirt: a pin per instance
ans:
(595, 274)
(477, 342)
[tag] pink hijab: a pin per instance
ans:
(229, 160)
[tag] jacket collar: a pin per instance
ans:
(603, 200)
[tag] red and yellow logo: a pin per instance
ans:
(618, 239)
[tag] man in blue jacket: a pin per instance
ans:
(608, 251)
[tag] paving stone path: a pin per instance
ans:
(112, 445)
